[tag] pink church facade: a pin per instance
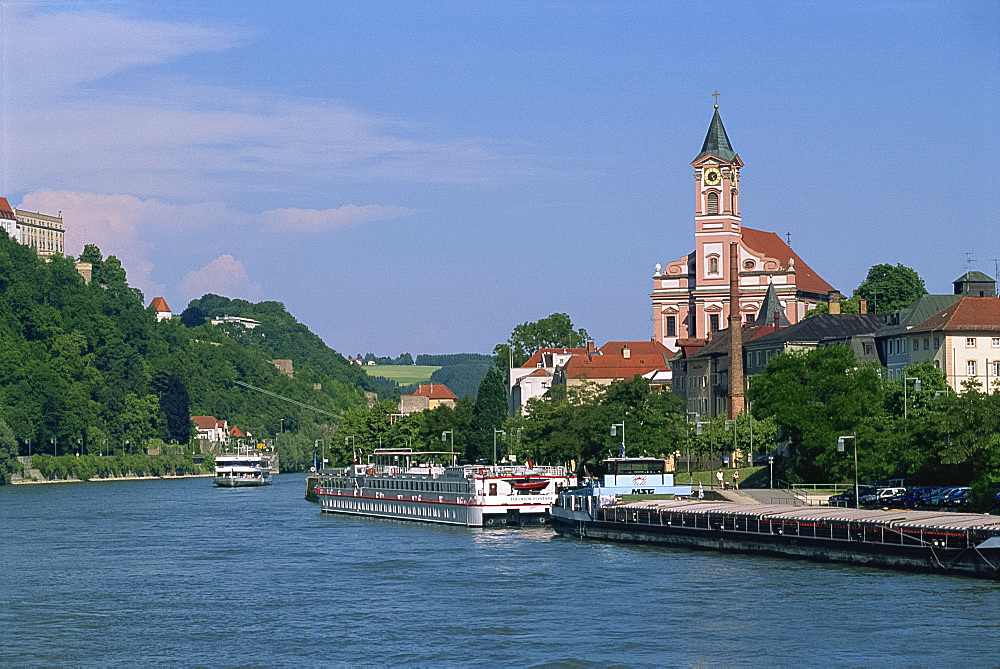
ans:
(691, 294)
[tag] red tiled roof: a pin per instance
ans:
(772, 246)
(612, 366)
(236, 432)
(206, 422)
(536, 359)
(159, 304)
(435, 391)
(6, 211)
(540, 372)
(969, 314)
(645, 347)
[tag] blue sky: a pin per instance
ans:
(424, 176)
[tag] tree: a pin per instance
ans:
(814, 397)
(192, 317)
(8, 453)
(849, 306)
(489, 414)
(175, 403)
(554, 331)
(888, 288)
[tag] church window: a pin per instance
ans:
(713, 265)
(713, 203)
(671, 326)
(713, 320)
(748, 264)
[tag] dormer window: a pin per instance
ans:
(713, 203)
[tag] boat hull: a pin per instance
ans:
(241, 483)
(629, 526)
(461, 513)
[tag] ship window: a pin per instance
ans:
(493, 489)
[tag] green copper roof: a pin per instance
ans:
(717, 141)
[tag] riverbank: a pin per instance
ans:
(109, 478)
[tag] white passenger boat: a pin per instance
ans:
(402, 484)
(243, 469)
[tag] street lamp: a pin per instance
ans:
(614, 432)
(687, 419)
(322, 462)
(350, 440)
(733, 423)
(495, 433)
(916, 389)
(53, 446)
(444, 437)
(840, 449)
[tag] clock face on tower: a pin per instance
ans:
(712, 176)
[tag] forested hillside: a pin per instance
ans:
(87, 368)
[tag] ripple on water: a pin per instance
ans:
(177, 572)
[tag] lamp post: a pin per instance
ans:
(444, 437)
(495, 433)
(733, 423)
(104, 446)
(53, 446)
(322, 462)
(614, 431)
(687, 419)
(349, 439)
(750, 416)
(840, 449)
(916, 389)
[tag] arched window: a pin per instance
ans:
(713, 265)
(713, 203)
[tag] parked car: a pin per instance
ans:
(881, 495)
(846, 498)
(956, 498)
(917, 496)
(937, 497)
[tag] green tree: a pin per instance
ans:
(526, 338)
(814, 397)
(175, 403)
(8, 453)
(489, 414)
(888, 288)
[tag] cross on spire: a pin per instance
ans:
(716, 96)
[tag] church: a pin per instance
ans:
(691, 294)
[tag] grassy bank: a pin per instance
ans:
(403, 374)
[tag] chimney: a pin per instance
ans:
(862, 306)
(626, 353)
(777, 319)
(590, 346)
(834, 297)
(736, 398)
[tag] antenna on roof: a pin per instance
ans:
(969, 259)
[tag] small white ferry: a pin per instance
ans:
(243, 469)
(405, 485)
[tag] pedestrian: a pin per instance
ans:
(736, 479)
(718, 476)
(701, 491)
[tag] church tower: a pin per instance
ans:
(691, 296)
(717, 225)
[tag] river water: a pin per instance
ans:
(178, 572)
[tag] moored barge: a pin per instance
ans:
(958, 543)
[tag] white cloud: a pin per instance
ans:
(313, 220)
(223, 276)
(83, 110)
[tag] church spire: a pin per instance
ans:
(717, 141)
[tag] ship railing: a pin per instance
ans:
(833, 529)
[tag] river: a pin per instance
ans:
(178, 572)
